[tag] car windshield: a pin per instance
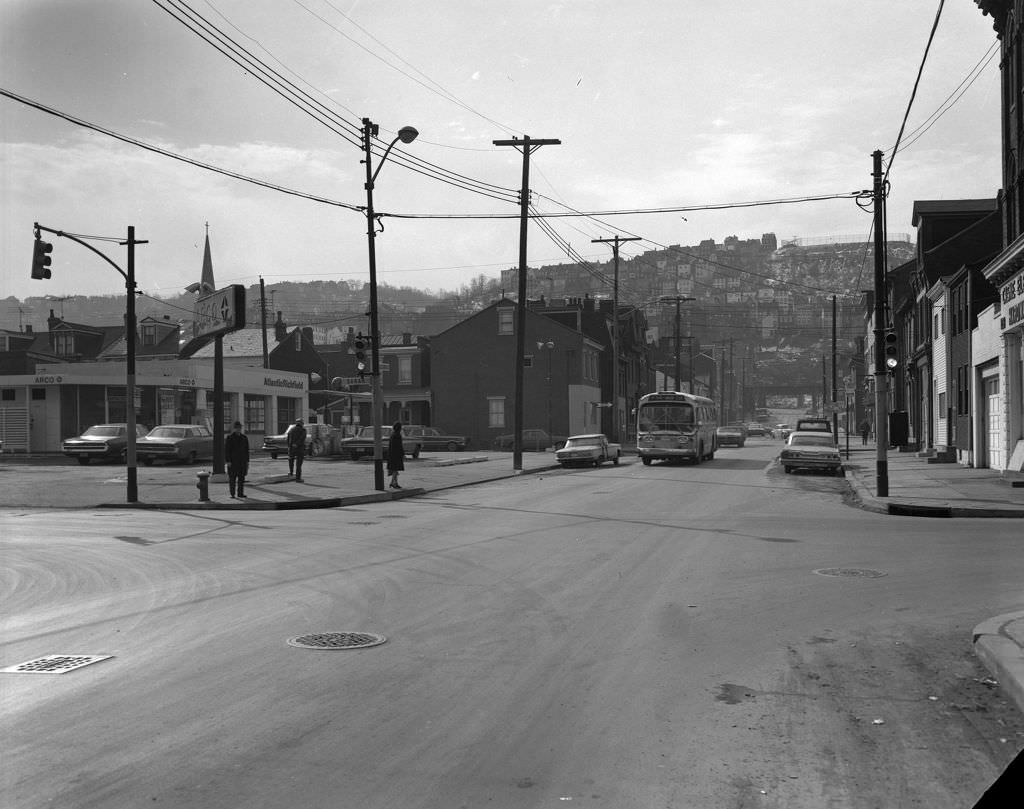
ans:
(103, 431)
(811, 440)
(167, 432)
(676, 417)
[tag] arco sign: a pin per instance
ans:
(220, 312)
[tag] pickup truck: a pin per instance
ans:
(587, 450)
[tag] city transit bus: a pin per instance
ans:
(674, 426)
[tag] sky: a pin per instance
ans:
(656, 104)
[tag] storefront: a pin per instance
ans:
(37, 411)
(1011, 368)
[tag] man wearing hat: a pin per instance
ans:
(296, 449)
(236, 456)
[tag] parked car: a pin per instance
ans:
(586, 450)
(361, 444)
(731, 436)
(755, 429)
(101, 441)
(321, 439)
(431, 438)
(175, 442)
(534, 440)
(811, 450)
(816, 425)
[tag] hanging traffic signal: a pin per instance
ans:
(359, 349)
(892, 352)
(41, 259)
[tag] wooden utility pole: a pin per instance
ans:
(527, 146)
(881, 373)
(614, 242)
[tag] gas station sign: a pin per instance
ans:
(220, 312)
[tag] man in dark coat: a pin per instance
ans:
(396, 454)
(236, 456)
(296, 449)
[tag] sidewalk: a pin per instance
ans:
(923, 489)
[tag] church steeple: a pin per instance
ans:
(206, 283)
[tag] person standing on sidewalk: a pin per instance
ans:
(396, 454)
(236, 456)
(865, 431)
(296, 449)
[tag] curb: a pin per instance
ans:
(279, 505)
(1001, 654)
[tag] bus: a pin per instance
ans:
(673, 426)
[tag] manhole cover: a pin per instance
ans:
(850, 572)
(55, 664)
(337, 640)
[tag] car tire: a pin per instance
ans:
(615, 460)
(273, 455)
(645, 461)
(416, 452)
(191, 459)
(147, 461)
(787, 469)
(699, 457)
(453, 447)
(83, 460)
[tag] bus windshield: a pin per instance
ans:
(675, 417)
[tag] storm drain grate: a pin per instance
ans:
(337, 640)
(850, 572)
(55, 664)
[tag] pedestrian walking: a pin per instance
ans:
(236, 456)
(396, 454)
(296, 449)
(865, 431)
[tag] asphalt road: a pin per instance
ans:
(619, 637)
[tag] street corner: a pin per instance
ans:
(999, 644)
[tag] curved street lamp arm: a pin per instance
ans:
(64, 235)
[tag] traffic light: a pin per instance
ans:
(892, 351)
(41, 259)
(359, 349)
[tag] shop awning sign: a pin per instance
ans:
(220, 312)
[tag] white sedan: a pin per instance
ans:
(811, 450)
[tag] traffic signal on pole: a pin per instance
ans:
(41, 259)
(359, 347)
(892, 353)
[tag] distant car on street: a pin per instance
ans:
(108, 442)
(781, 431)
(361, 444)
(175, 442)
(534, 440)
(756, 430)
(811, 450)
(588, 450)
(431, 438)
(730, 436)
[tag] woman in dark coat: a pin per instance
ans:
(396, 454)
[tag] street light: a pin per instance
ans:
(679, 299)
(406, 134)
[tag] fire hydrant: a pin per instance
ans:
(203, 484)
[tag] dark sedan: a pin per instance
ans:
(431, 438)
(175, 442)
(101, 441)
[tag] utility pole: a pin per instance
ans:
(527, 146)
(732, 382)
(615, 328)
(263, 322)
(835, 379)
(881, 373)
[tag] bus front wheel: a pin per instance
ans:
(646, 461)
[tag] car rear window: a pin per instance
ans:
(811, 440)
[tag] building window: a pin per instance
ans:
(8, 395)
(298, 339)
(505, 320)
(495, 411)
(255, 410)
(942, 405)
(528, 361)
(287, 412)
(149, 335)
(63, 343)
(38, 394)
(405, 370)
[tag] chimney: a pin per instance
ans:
(406, 338)
(588, 303)
(307, 335)
(280, 328)
(350, 335)
(28, 328)
(52, 321)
